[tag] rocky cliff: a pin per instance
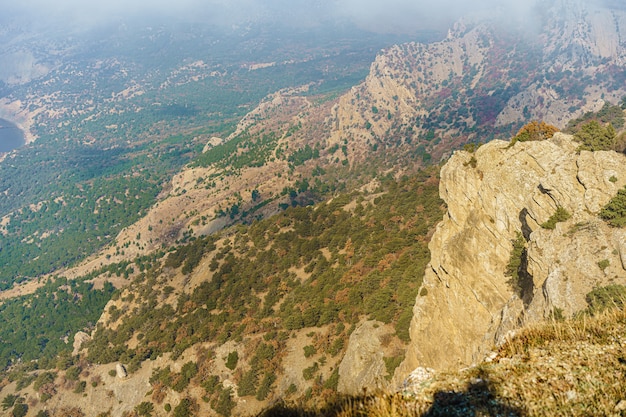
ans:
(485, 80)
(467, 302)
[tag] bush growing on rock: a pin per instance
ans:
(602, 298)
(595, 137)
(515, 262)
(614, 213)
(560, 215)
(534, 131)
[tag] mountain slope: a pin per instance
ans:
(262, 312)
(569, 368)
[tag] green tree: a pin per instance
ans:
(266, 386)
(144, 409)
(185, 408)
(595, 137)
(20, 410)
(232, 359)
(515, 262)
(560, 215)
(224, 404)
(602, 298)
(247, 385)
(9, 401)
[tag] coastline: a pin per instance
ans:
(13, 112)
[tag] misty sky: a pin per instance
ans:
(379, 15)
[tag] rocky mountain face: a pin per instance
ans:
(498, 195)
(484, 80)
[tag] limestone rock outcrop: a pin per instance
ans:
(492, 196)
(79, 339)
(363, 366)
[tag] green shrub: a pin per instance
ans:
(73, 373)
(293, 389)
(557, 314)
(9, 401)
(403, 324)
(309, 373)
(43, 379)
(391, 364)
(189, 370)
(224, 404)
(247, 385)
(80, 387)
(473, 162)
(560, 215)
(336, 347)
(20, 410)
(144, 409)
(185, 408)
(471, 147)
(614, 213)
(604, 264)
(309, 351)
(602, 298)
(265, 386)
(333, 380)
(24, 381)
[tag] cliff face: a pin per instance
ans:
(484, 81)
(467, 303)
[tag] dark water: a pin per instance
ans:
(11, 137)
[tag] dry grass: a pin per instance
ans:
(561, 368)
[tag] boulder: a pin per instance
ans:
(121, 371)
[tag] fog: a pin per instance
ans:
(399, 16)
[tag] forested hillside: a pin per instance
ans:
(281, 296)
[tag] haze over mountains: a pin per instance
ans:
(229, 204)
(395, 16)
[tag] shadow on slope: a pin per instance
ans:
(478, 399)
